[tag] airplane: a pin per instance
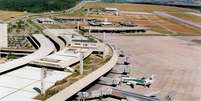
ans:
(131, 99)
(121, 53)
(99, 23)
(171, 96)
(146, 82)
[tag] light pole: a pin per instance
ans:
(0, 53)
(81, 55)
(89, 30)
(43, 76)
(104, 45)
(104, 37)
(81, 62)
(78, 26)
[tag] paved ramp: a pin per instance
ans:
(125, 94)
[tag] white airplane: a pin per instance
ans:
(171, 96)
(100, 23)
(131, 99)
(136, 81)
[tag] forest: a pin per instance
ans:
(36, 5)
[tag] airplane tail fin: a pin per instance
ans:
(152, 77)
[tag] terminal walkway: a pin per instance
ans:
(46, 47)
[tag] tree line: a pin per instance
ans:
(36, 5)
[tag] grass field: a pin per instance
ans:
(177, 27)
(6, 15)
(162, 25)
(190, 17)
(155, 23)
(137, 7)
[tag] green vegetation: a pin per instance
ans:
(160, 30)
(40, 28)
(11, 56)
(197, 41)
(37, 5)
(20, 25)
(91, 63)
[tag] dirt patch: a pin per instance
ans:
(137, 7)
(6, 15)
(190, 17)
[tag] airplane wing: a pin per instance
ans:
(131, 99)
(172, 96)
(152, 93)
(131, 83)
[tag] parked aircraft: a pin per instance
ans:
(136, 81)
(99, 23)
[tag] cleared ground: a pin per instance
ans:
(156, 23)
(153, 22)
(137, 7)
(163, 25)
(178, 28)
(2, 60)
(148, 19)
(175, 62)
(6, 15)
(190, 17)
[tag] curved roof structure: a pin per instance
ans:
(62, 59)
(55, 39)
(46, 47)
(84, 82)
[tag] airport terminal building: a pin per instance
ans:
(3, 35)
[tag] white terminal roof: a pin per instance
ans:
(58, 32)
(55, 38)
(19, 84)
(67, 56)
(111, 9)
(45, 19)
(66, 34)
(46, 47)
(63, 58)
(117, 28)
